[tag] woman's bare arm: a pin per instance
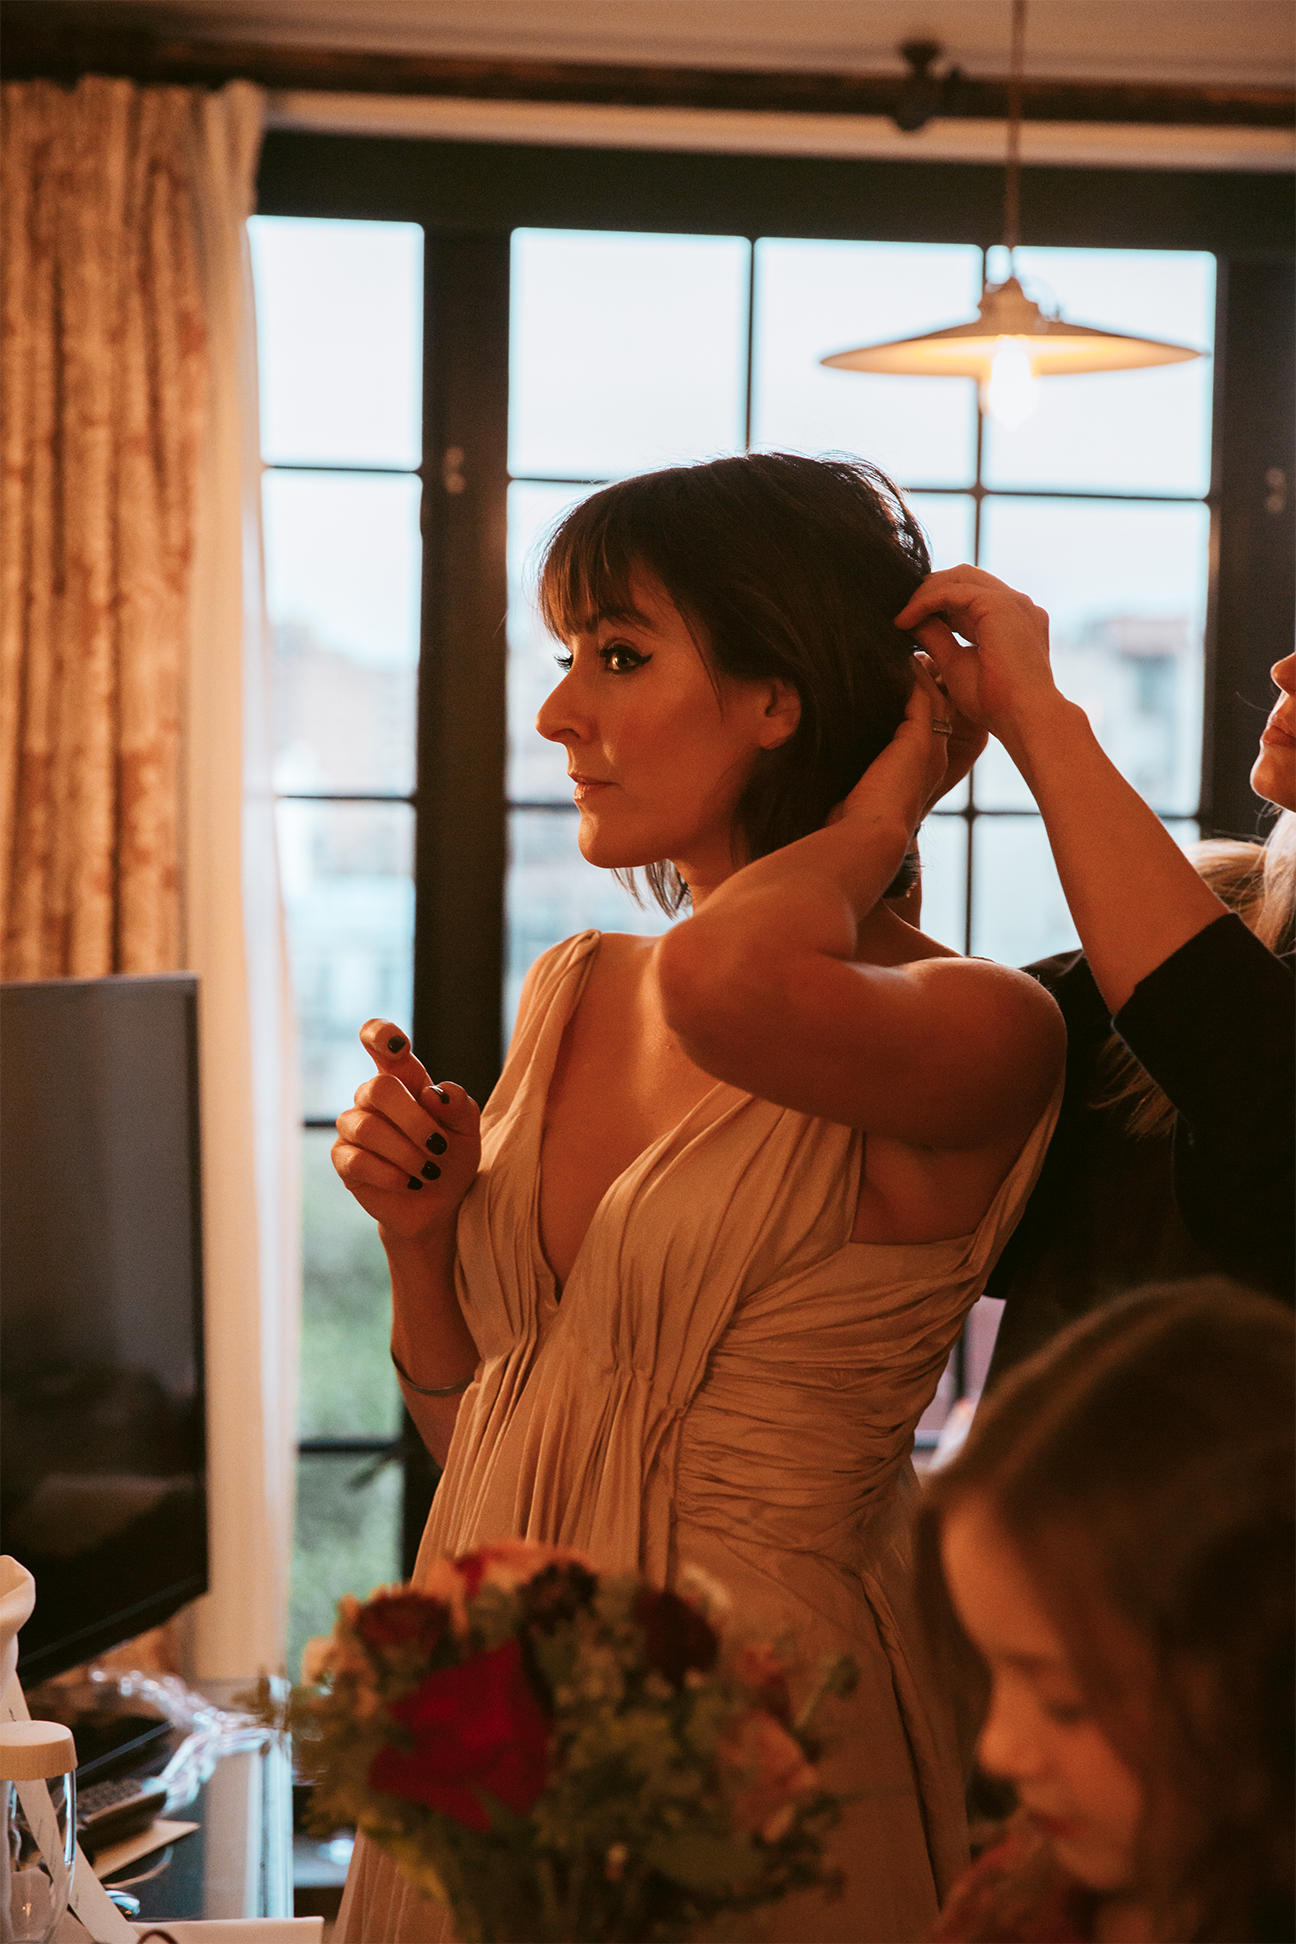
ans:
(793, 983)
(1134, 896)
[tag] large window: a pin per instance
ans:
(459, 342)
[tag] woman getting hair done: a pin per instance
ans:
(684, 1297)
(1115, 1544)
(1175, 1152)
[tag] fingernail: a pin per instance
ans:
(431, 1170)
(437, 1143)
(441, 1094)
(413, 1182)
(396, 1044)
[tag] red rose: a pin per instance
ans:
(402, 1620)
(676, 1636)
(476, 1727)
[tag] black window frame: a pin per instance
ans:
(469, 197)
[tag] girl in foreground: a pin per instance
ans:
(683, 1298)
(1116, 1539)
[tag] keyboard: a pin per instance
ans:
(109, 1812)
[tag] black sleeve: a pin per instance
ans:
(1215, 1026)
(1068, 978)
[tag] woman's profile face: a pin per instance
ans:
(659, 748)
(1039, 1733)
(1273, 774)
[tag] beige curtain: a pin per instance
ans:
(136, 829)
(104, 391)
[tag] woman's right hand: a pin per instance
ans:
(409, 1149)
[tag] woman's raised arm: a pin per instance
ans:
(794, 982)
(1134, 896)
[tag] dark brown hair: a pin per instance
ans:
(1144, 1468)
(783, 566)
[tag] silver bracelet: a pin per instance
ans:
(431, 1390)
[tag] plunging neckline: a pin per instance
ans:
(555, 1285)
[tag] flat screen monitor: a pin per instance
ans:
(102, 1469)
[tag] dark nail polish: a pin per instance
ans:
(396, 1044)
(413, 1182)
(441, 1094)
(432, 1171)
(437, 1143)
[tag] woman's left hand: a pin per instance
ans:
(914, 770)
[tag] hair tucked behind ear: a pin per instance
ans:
(785, 567)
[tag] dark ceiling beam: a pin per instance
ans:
(33, 47)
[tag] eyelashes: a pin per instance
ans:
(609, 656)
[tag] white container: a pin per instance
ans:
(38, 1840)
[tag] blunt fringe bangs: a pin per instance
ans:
(1144, 1468)
(783, 566)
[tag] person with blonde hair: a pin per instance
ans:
(1175, 1151)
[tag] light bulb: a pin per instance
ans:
(1010, 390)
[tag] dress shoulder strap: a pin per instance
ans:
(549, 991)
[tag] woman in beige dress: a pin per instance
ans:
(681, 1296)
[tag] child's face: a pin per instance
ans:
(1039, 1733)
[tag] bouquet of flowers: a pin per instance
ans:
(563, 1756)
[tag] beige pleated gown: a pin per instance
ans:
(727, 1382)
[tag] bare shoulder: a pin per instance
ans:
(996, 1022)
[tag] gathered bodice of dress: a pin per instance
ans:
(717, 1315)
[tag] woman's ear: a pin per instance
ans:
(782, 713)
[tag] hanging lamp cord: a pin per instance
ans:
(1012, 181)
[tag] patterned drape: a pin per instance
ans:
(136, 819)
(104, 381)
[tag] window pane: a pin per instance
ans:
(816, 298)
(343, 560)
(347, 1540)
(348, 1387)
(1125, 589)
(1130, 431)
(552, 893)
(942, 844)
(1018, 911)
(339, 339)
(349, 898)
(627, 352)
(537, 770)
(949, 521)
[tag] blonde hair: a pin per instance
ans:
(1258, 882)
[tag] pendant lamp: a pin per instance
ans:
(1011, 342)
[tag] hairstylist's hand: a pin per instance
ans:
(409, 1149)
(998, 675)
(909, 774)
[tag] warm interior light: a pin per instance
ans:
(1011, 343)
(1010, 392)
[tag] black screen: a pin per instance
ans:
(102, 1481)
